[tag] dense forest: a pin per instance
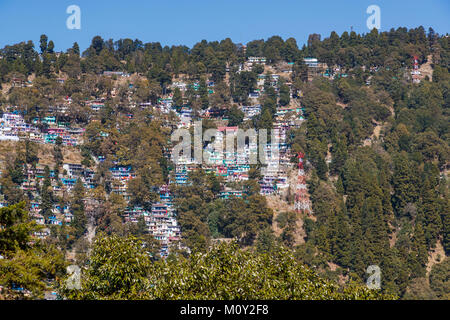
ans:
(377, 155)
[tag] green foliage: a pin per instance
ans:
(77, 204)
(287, 221)
(120, 269)
(15, 228)
(202, 214)
(25, 263)
(439, 279)
(284, 95)
(34, 270)
(46, 194)
(376, 152)
(235, 116)
(241, 85)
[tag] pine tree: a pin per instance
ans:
(340, 155)
(430, 208)
(76, 49)
(77, 204)
(43, 43)
(419, 255)
(358, 264)
(31, 156)
(343, 237)
(322, 167)
(265, 121)
(57, 152)
(339, 186)
(46, 194)
(375, 231)
(395, 273)
(265, 242)
(404, 183)
(177, 97)
(46, 65)
(50, 47)
(446, 229)
(384, 178)
(15, 229)
(284, 95)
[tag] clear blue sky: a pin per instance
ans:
(189, 21)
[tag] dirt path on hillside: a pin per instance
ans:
(375, 135)
(426, 69)
(435, 256)
(279, 205)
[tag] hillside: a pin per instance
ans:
(88, 144)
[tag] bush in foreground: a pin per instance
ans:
(120, 268)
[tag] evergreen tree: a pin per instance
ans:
(177, 97)
(284, 95)
(235, 116)
(446, 228)
(76, 49)
(419, 256)
(321, 167)
(57, 152)
(342, 251)
(77, 205)
(430, 208)
(340, 154)
(46, 194)
(50, 47)
(43, 43)
(404, 183)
